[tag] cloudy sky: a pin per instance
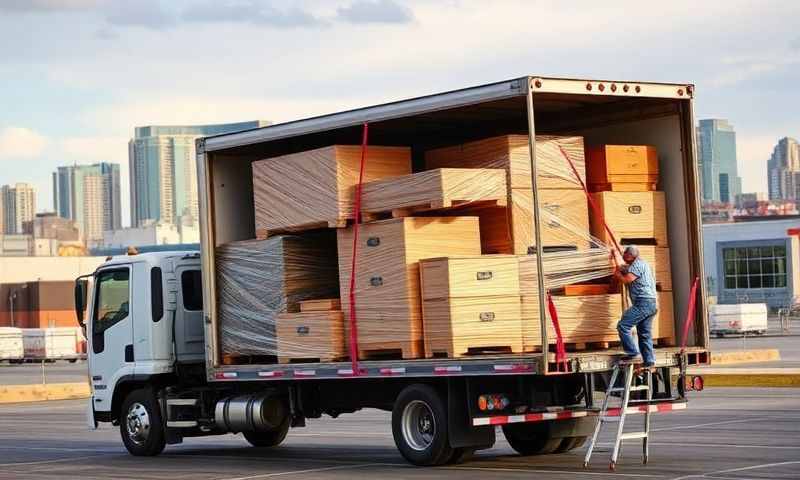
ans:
(78, 75)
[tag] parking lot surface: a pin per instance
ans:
(725, 434)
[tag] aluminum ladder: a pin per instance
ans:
(625, 402)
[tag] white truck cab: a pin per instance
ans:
(144, 320)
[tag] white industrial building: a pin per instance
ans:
(754, 261)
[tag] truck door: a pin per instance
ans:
(110, 334)
(189, 332)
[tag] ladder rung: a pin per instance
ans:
(632, 389)
(633, 435)
(610, 419)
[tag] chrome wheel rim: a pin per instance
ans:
(419, 425)
(138, 423)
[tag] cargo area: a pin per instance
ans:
(448, 269)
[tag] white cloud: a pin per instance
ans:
(752, 152)
(21, 142)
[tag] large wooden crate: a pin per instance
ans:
(258, 279)
(632, 216)
(470, 305)
(455, 327)
(564, 216)
(311, 336)
(511, 152)
(658, 259)
(388, 304)
(629, 168)
(591, 319)
(434, 189)
(315, 188)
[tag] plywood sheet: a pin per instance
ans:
(459, 277)
(309, 336)
(618, 164)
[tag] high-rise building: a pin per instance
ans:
(18, 206)
(783, 170)
(716, 148)
(163, 174)
(90, 195)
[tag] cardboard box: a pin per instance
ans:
(435, 189)
(316, 188)
(311, 336)
(512, 153)
(387, 281)
(632, 216)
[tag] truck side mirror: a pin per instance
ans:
(80, 298)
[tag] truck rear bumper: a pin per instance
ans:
(577, 413)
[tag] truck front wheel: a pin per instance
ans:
(270, 438)
(140, 424)
(419, 426)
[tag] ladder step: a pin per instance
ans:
(632, 389)
(182, 423)
(609, 419)
(181, 401)
(633, 435)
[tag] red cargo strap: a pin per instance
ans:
(561, 352)
(357, 221)
(597, 211)
(689, 314)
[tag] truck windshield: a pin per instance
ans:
(113, 296)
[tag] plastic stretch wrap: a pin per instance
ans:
(258, 279)
(316, 188)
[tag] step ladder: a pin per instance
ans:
(624, 393)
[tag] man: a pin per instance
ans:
(638, 276)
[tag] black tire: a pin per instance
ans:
(141, 425)
(271, 438)
(531, 438)
(419, 426)
(461, 455)
(570, 443)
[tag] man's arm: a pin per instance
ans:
(621, 273)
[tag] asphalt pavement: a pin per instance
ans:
(726, 433)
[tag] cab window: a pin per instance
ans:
(113, 299)
(192, 289)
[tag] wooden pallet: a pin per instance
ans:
(623, 187)
(390, 351)
(320, 305)
(232, 359)
(475, 351)
(263, 233)
(285, 360)
(443, 204)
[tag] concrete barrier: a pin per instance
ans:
(745, 356)
(39, 392)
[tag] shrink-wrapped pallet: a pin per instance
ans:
(311, 336)
(316, 188)
(435, 189)
(471, 305)
(511, 152)
(258, 279)
(387, 291)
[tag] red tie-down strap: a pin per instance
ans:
(357, 221)
(561, 352)
(690, 313)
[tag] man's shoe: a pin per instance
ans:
(631, 359)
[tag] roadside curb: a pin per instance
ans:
(745, 356)
(751, 379)
(39, 392)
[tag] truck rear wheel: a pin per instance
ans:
(419, 426)
(140, 424)
(570, 443)
(531, 438)
(270, 438)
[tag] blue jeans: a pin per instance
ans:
(639, 315)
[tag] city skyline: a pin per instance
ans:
(717, 160)
(90, 195)
(281, 68)
(783, 169)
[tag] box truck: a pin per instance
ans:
(158, 369)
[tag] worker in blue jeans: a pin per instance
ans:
(638, 276)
